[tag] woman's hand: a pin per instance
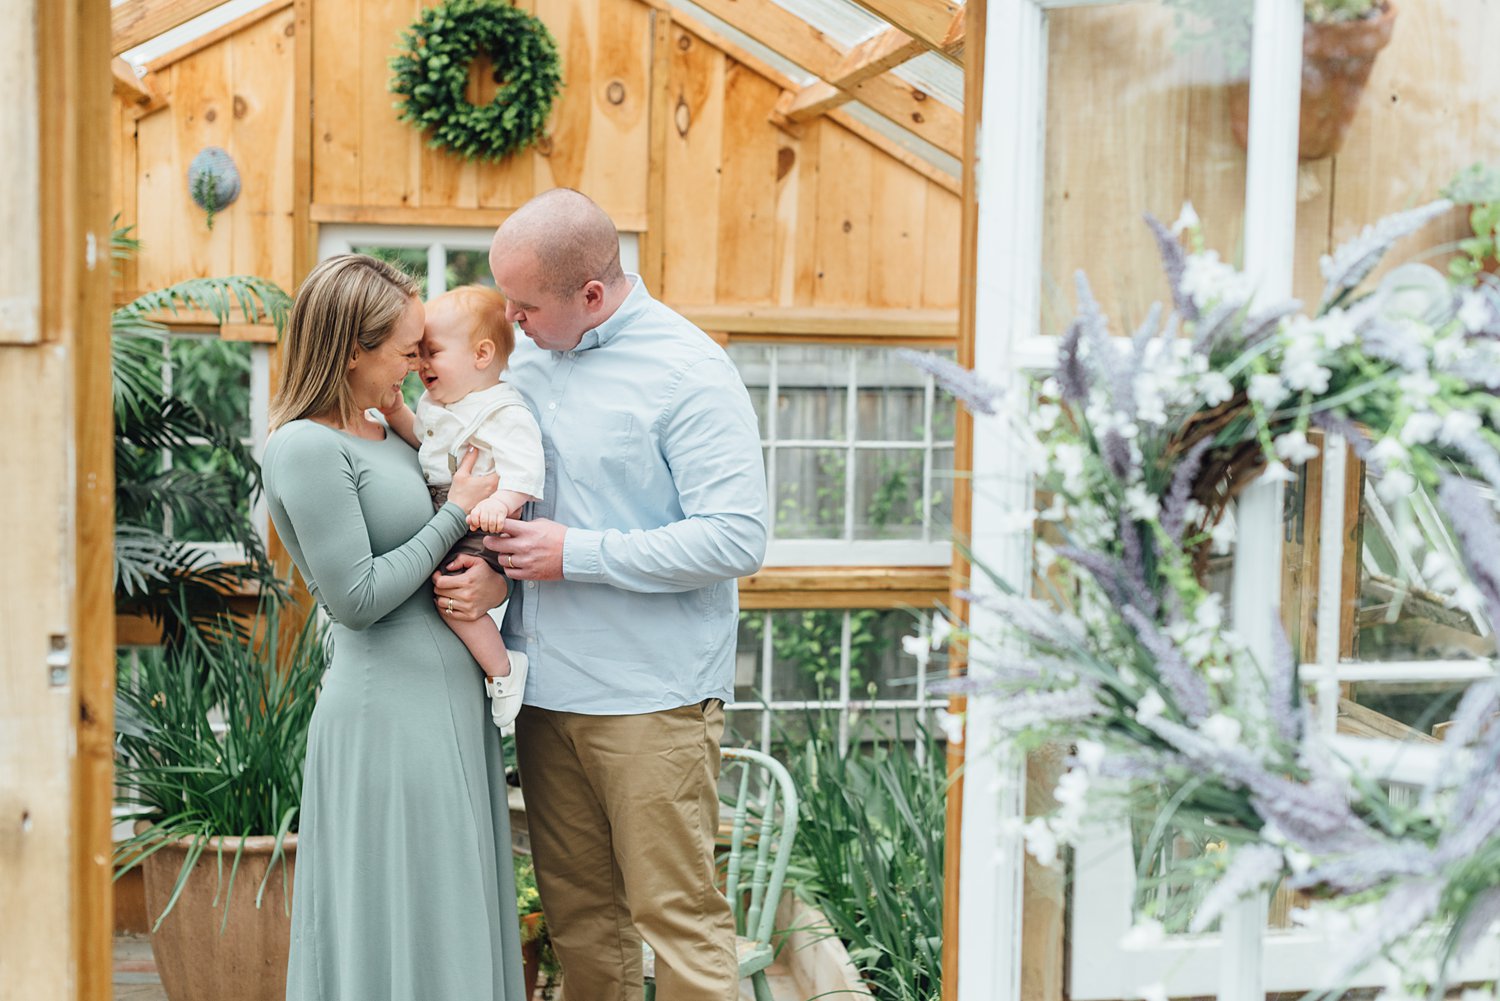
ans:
(467, 587)
(467, 489)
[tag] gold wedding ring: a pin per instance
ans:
(511, 560)
(450, 606)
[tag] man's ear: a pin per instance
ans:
(484, 353)
(593, 294)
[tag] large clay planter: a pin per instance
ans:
(248, 961)
(531, 951)
(1336, 62)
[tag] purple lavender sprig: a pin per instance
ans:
(1174, 508)
(1188, 689)
(1347, 266)
(975, 392)
(1174, 263)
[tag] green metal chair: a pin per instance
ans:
(764, 826)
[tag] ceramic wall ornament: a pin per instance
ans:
(213, 181)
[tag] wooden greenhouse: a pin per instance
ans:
(817, 184)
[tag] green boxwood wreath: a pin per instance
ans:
(432, 74)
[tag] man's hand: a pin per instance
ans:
(488, 515)
(468, 589)
(530, 550)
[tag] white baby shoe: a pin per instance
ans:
(506, 693)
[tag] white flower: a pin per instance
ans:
(1457, 425)
(1072, 788)
(1417, 388)
(1395, 485)
(941, 629)
(1387, 452)
(1143, 934)
(1337, 329)
(1041, 842)
(1301, 367)
(1295, 448)
(1266, 390)
(1209, 615)
(1222, 535)
(1045, 417)
(1215, 388)
(1209, 280)
(1056, 511)
(1474, 313)
(1150, 707)
(952, 725)
(1045, 554)
(1068, 459)
(915, 646)
(1420, 428)
(1090, 755)
(1142, 504)
(1186, 219)
(1222, 730)
(1276, 472)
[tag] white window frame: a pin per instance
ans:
(438, 240)
(1242, 961)
(845, 704)
(933, 549)
(260, 429)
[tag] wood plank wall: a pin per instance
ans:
(750, 215)
(1157, 133)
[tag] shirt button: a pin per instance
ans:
(531, 585)
(552, 406)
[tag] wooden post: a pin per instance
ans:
(56, 503)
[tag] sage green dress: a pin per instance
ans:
(404, 883)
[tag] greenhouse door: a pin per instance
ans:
(1015, 161)
(56, 503)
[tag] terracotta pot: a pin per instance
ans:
(531, 950)
(247, 962)
(1336, 62)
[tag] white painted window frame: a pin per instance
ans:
(1244, 960)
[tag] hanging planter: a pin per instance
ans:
(1337, 57)
(213, 181)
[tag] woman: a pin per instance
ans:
(404, 888)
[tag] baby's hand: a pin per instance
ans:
(488, 515)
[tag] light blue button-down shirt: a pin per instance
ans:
(654, 464)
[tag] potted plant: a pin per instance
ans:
(211, 738)
(1476, 192)
(537, 956)
(1340, 41)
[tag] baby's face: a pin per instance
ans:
(449, 366)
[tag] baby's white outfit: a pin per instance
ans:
(498, 422)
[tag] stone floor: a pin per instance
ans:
(135, 976)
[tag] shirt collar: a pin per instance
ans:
(474, 402)
(636, 300)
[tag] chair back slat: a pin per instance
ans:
(775, 829)
(736, 849)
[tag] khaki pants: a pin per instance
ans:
(622, 813)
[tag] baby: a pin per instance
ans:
(465, 346)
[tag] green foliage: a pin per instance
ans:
(190, 776)
(811, 642)
(1223, 26)
(431, 77)
(869, 853)
(177, 463)
(1478, 187)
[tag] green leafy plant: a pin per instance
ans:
(870, 857)
(176, 464)
(210, 739)
(431, 77)
(534, 925)
(1223, 26)
(1477, 188)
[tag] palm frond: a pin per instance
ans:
(256, 298)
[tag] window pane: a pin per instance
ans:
(810, 493)
(754, 364)
(807, 647)
(749, 672)
(412, 260)
(214, 376)
(888, 670)
(944, 416)
(941, 492)
(888, 494)
(469, 267)
(742, 728)
(892, 397)
(813, 393)
(193, 527)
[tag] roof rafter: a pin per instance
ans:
(885, 94)
(137, 21)
(127, 85)
(868, 59)
(928, 21)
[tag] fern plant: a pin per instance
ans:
(166, 579)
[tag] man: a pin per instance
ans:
(626, 604)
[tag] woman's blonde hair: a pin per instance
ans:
(348, 303)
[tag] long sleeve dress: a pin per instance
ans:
(404, 886)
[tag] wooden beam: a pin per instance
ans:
(886, 94)
(137, 21)
(439, 215)
(928, 21)
(127, 85)
(874, 56)
(211, 38)
(654, 239)
(834, 322)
